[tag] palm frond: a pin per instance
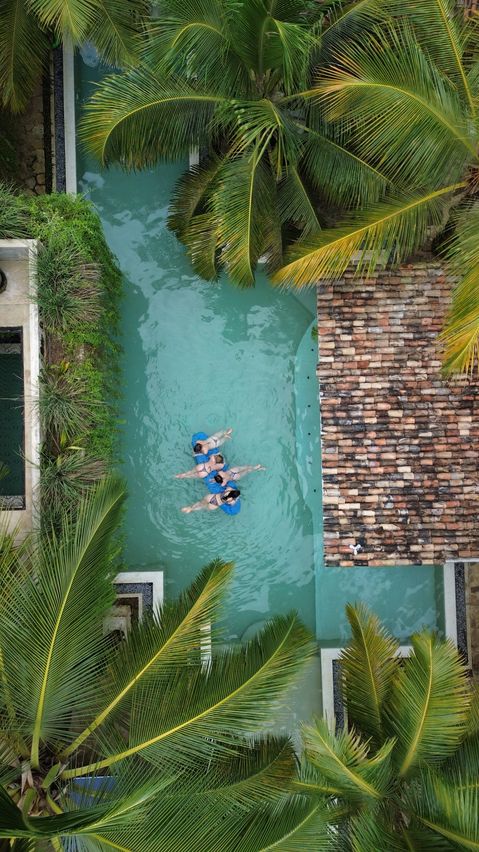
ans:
(460, 336)
(238, 206)
(115, 30)
(259, 125)
(201, 240)
(344, 761)
(15, 567)
(138, 118)
(368, 664)
(62, 607)
(233, 696)
(449, 812)
(428, 706)
(473, 720)
(289, 824)
(23, 54)
(340, 176)
(194, 39)
(369, 830)
(66, 17)
(224, 824)
(441, 28)
(296, 204)
(417, 838)
(16, 824)
(393, 229)
(343, 20)
(409, 122)
(158, 645)
(190, 194)
(297, 43)
(254, 773)
(462, 769)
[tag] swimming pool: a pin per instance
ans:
(202, 356)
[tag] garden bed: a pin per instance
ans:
(78, 293)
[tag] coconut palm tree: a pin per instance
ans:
(28, 31)
(152, 743)
(325, 132)
(225, 77)
(405, 770)
(409, 92)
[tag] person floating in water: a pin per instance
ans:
(229, 497)
(204, 446)
(203, 469)
(222, 477)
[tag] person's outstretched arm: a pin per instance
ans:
(201, 504)
(238, 472)
(190, 474)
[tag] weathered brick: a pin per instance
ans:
(392, 425)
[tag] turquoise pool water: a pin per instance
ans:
(201, 356)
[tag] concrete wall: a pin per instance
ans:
(17, 308)
(399, 444)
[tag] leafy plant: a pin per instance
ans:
(13, 214)
(79, 290)
(153, 743)
(230, 80)
(66, 407)
(29, 31)
(67, 472)
(328, 134)
(68, 289)
(404, 771)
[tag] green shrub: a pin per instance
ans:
(79, 288)
(65, 478)
(14, 221)
(68, 289)
(79, 275)
(67, 406)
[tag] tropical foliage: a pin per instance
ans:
(152, 743)
(326, 133)
(78, 292)
(29, 30)
(403, 775)
(226, 78)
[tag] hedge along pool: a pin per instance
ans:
(202, 356)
